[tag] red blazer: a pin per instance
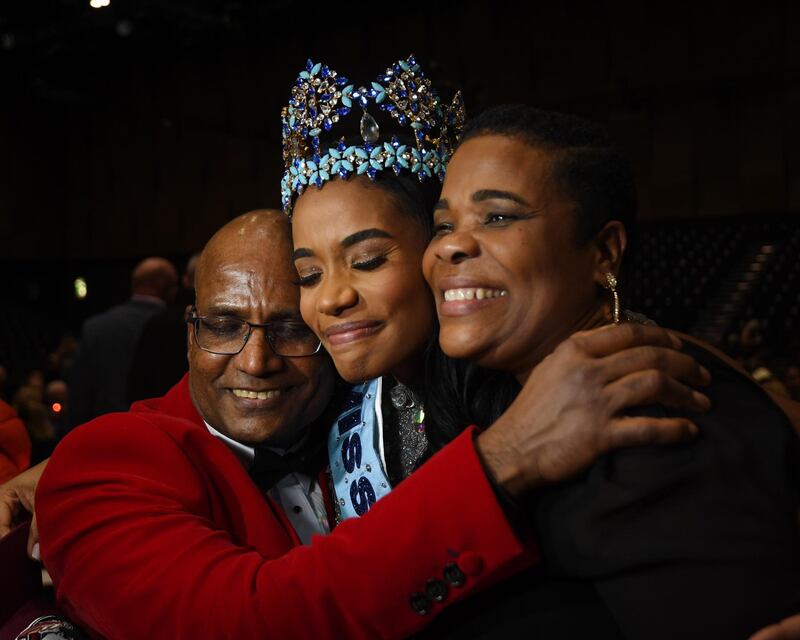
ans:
(15, 444)
(151, 528)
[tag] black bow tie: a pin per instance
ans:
(269, 467)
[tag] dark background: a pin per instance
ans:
(140, 128)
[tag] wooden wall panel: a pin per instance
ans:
(761, 183)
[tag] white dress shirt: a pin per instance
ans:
(299, 495)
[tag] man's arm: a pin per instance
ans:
(127, 535)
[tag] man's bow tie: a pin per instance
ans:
(269, 467)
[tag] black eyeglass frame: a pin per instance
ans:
(193, 319)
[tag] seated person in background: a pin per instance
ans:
(151, 526)
(15, 444)
(30, 407)
(699, 540)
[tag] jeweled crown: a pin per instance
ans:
(321, 97)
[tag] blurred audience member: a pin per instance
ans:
(30, 406)
(35, 379)
(4, 395)
(767, 379)
(60, 361)
(760, 365)
(15, 445)
(792, 380)
(750, 338)
(56, 399)
(163, 340)
(731, 346)
(99, 378)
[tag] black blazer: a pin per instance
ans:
(99, 377)
(697, 540)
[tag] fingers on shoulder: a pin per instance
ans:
(610, 339)
(631, 431)
(652, 386)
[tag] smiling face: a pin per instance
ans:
(246, 272)
(358, 256)
(509, 278)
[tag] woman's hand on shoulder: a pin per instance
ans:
(573, 406)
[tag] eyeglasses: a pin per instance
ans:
(226, 335)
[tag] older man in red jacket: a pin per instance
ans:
(152, 527)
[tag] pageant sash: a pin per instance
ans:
(355, 446)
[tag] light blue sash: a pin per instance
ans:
(355, 446)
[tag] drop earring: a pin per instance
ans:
(611, 284)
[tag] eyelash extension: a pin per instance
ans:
(306, 281)
(508, 217)
(369, 265)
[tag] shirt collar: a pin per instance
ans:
(244, 452)
(247, 453)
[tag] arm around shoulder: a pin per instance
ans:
(136, 550)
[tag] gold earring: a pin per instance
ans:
(611, 284)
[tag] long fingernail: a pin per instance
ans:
(35, 552)
(676, 341)
(701, 399)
